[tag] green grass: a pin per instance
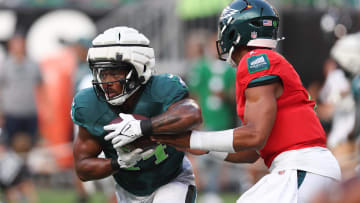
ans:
(226, 197)
(229, 197)
(68, 195)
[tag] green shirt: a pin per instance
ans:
(212, 83)
(356, 93)
(154, 171)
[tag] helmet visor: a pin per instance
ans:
(108, 79)
(111, 75)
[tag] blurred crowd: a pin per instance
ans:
(36, 130)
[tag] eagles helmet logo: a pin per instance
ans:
(227, 12)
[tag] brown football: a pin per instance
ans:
(143, 142)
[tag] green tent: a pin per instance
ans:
(189, 9)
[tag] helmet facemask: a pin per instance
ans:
(105, 88)
(222, 49)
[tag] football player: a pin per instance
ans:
(279, 121)
(122, 64)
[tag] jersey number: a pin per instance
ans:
(160, 156)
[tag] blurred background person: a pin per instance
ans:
(337, 113)
(15, 178)
(346, 53)
(344, 97)
(212, 83)
(19, 78)
(82, 72)
(327, 91)
(338, 104)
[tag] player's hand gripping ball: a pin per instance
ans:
(143, 142)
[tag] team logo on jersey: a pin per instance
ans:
(258, 63)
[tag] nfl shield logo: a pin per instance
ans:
(253, 35)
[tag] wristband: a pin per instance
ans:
(146, 127)
(114, 164)
(218, 155)
(220, 141)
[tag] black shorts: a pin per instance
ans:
(23, 175)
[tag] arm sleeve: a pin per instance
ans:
(76, 114)
(264, 80)
(261, 68)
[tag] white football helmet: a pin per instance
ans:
(346, 52)
(124, 48)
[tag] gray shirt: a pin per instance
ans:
(17, 87)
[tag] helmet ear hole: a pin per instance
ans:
(256, 23)
(141, 79)
(232, 35)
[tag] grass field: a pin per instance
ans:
(65, 196)
(69, 196)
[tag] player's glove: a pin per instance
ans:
(129, 159)
(128, 130)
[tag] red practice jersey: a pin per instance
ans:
(296, 125)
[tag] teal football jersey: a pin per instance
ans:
(356, 88)
(356, 94)
(165, 163)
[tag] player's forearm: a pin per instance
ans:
(93, 168)
(180, 117)
(248, 156)
(249, 137)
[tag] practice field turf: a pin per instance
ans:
(69, 196)
(66, 196)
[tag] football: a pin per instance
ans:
(142, 142)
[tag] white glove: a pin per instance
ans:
(129, 159)
(124, 132)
